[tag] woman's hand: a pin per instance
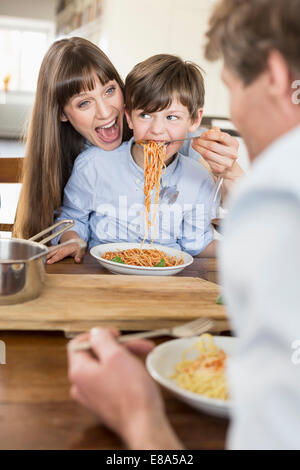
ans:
(115, 385)
(220, 151)
(70, 250)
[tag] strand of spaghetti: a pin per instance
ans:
(154, 158)
(161, 157)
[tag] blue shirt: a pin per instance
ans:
(105, 198)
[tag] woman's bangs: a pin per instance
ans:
(79, 81)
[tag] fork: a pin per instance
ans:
(143, 142)
(196, 327)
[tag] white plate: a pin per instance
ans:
(161, 365)
(118, 268)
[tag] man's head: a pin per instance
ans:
(259, 41)
(164, 98)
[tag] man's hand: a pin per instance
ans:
(220, 151)
(115, 385)
(70, 250)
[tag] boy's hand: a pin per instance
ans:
(70, 250)
(220, 151)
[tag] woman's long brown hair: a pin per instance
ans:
(69, 67)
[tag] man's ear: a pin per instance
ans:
(129, 122)
(196, 123)
(279, 77)
(63, 117)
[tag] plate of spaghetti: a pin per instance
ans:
(148, 260)
(194, 369)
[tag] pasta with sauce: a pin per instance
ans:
(143, 257)
(154, 164)
(206, 374)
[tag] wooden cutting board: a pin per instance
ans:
(75, 303)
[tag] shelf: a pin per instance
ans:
(80, 18)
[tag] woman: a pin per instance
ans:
(79, 100)
(53, 141)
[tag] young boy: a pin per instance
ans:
(164, 99)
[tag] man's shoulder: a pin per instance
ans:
(276, 171)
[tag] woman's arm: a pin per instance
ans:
(70, 250)
(210, 251)
(78, 205)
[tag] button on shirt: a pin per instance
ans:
(105, 198)
(260, 274)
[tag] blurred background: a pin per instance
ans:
(128, 31)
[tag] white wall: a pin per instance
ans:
(37, 9)
(133, 30)
(16, 106)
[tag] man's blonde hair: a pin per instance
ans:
(244, 32)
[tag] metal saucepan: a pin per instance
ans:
(22, 264)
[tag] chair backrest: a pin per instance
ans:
(10, 172)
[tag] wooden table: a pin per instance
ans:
(36, 411)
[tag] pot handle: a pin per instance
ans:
(68, 224)
(79, 241)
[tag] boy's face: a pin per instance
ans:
(171, 123)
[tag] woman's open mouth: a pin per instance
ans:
(110, 132)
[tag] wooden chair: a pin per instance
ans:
(10, 172)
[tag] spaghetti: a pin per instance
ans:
(143, 257)
(206, 374)
(154, 163)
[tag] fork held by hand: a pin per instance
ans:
(143, 142)
(196, 327)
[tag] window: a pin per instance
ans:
(23, 44)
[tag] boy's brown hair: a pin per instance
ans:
(244, 32)
(153, 83)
